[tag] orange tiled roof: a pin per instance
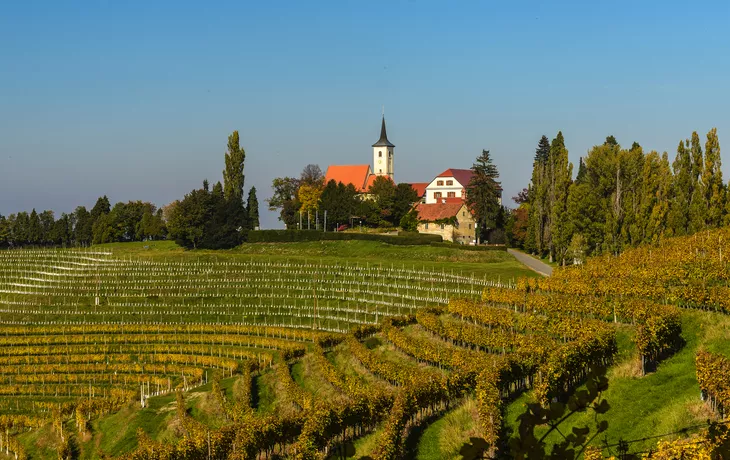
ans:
(357, 175)
(420, 188)
(435, 211)
(372, 178)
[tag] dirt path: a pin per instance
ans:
(532, 263)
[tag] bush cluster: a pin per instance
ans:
(289, 236)
(466, 247)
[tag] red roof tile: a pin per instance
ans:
(436, 211)
(463, 176)
(356, 175)
(372, 178)
(420, 188)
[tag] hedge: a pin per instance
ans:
(466, 247)
(289, 236)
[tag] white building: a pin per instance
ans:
(450, 185)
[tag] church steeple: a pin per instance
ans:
(383, 154)
(383, 141)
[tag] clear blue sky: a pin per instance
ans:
(135, 99)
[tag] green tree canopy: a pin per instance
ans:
(252, 209)
(483, 193)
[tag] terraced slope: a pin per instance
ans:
(233, 355)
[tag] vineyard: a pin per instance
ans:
(253, 355)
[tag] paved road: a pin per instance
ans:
(535, 264)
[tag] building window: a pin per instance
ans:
(463, 213)
(439, 182)
(380, 171)
(390, 154)
(426, 226)
(449, 182)
(442, 226)
(380, 154)
(469, 226)
(451, 195)
(436, 195)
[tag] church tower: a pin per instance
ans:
(383, 155)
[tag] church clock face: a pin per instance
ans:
(380, 161)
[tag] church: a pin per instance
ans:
(362, 176)
(441, 206)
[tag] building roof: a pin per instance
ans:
(357, 175)
(383, 141)
(420, 188)
(437, 211)
(369, 182)
(463, 176)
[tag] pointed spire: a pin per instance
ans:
(383, 141)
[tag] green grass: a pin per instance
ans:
(40, 443)
(660, 403)
(116, 434)
(492, 264)
(363, 446)
(445, 437)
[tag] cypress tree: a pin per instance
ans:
(252, 209)
(482, 193)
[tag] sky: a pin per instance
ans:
(135, 99)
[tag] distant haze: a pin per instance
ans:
(135, 100)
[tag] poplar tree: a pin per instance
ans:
(712, 180)
(657, 182)
(233, 174)
(537, 198)
(698, 202)
(561, 172)
(682, 188)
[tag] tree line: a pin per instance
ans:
(620, 198)
(204, 218)
(131, 221)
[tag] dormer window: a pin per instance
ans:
(449, 182)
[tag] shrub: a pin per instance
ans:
(466, 247)
(288, 236)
